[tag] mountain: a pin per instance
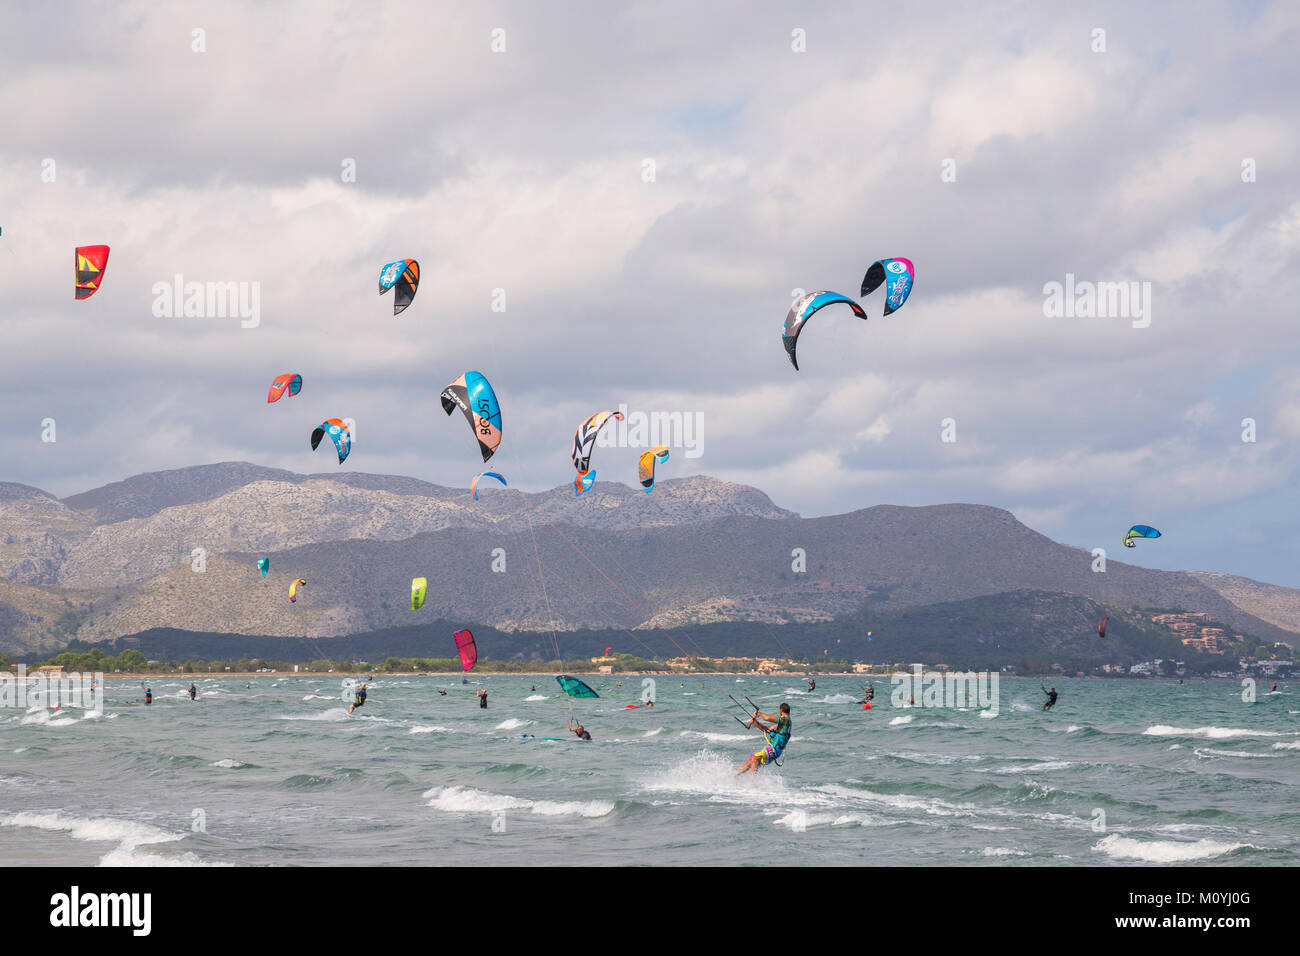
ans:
(697, 552)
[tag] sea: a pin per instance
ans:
(272, 771)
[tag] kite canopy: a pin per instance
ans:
(1101, 627)
(90, 263)
(897, 275)
(803, 309)
(468, 652)
(405, 274)
(338, 432)
(293, 589)
(290, 381)
(574, 687)
(472, 393)
(419, 588)
(473, 485)
(646, 467)
(264, 565)
(584, 442)
(1139, 531)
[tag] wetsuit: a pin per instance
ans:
(193, 692)
(148, 697)
(361, 698)
(584, 735)
(482, 699)
(1051, 700)
(777, 739)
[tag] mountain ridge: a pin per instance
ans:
(123, 558)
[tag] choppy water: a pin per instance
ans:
(279, 774)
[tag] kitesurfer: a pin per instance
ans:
(1051, 699)
(360, 700)
(441, 692)
(482, 698)
(194, 691)
(148, 696)
(812, 685)
(1273, 691)
(581, 732)
(777, 736)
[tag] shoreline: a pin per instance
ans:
(375, 675)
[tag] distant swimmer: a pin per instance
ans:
(360, 700)
(194, 691)
(650, 703)
(1051, 699)
(777, 736)
(581, 732)
(441, 692)
(482, 698)
(534, 688)
(148, 695)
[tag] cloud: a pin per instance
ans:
(773, 170)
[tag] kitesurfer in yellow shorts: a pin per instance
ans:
(777, 734)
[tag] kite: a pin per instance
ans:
(419, 588)
(646, 467)
(405, 274)
(473, 485)
(584, 441)
(803, 309)
(90, 263)
(337, 431)
(293, 589)
(1139, 531)
(574, 687)
(288, 381)
(264, 565)
(1101, 627)
(473, 395)
(897, 275)
(468, 652)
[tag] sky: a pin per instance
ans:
(646, 187)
